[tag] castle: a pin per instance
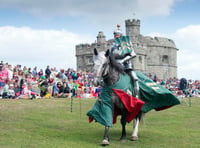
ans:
(156, 55)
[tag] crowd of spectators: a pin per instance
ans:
(180, 87)
(24, 83)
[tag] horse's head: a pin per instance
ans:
(101, 65)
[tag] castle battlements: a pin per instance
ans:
(134, 22)
(159, 41)
(82, 46)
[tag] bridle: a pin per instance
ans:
(106, 75)
(103, 72)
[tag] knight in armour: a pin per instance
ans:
(123, 51)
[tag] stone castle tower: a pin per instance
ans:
(156, 55)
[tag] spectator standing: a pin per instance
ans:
(19, 67)
(6, 65)
(20, 75)
(63, 76)
(48, 72)
(29, 71)
(15, 69)
(25, 69)
(4, 72)
(155, 78)
(1, 65)
(54, 72)
(40, 73)
(34, 72)
(1, 84)
(10, 72)
(74, 75)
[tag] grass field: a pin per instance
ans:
(49, 123)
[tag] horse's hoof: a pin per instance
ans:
(105, 142)
(122, 140)
(134, 138)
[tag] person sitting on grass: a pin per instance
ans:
(58, 90)
(25, 93)
(66, 90)
(5, 90)
(43, 85)
(11, 92)
(17, 90)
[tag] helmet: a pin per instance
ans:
(117, 32)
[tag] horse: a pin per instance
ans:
(122, 97)
(108, 70)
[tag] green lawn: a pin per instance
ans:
(49, 123)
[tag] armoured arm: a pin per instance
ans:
(119, 57)
(131, 56)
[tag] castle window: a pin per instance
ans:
(80, 67)
(165, 59)
(89, 60)
(140, 59)
(156, 38)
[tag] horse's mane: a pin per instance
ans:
(115, 64)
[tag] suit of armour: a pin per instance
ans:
(125, 59)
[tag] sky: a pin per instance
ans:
(42, 32)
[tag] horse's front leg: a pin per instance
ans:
(123, 123)
(106, 136)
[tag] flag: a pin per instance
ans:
(125, 45)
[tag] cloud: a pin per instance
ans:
(102, 15)
(189, 36)
(96, 12)
(154, 7)
(40, 48)
(187, 41)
